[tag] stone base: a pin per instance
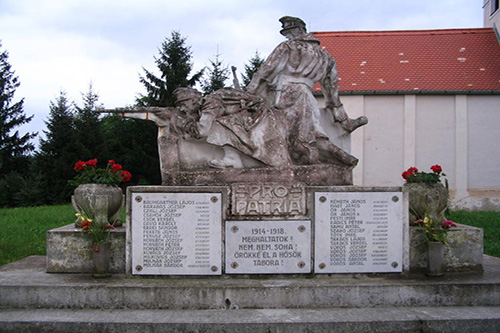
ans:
(69, 250)
(310, 175)
(463, 251)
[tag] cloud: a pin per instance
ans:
(63, 45)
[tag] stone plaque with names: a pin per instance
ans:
(268, 247)
(176, 234)
(268, 199)
(358, 232)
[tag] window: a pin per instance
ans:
(495, 4)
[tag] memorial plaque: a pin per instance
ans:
(358, 232)
(176, 233)
(268, 199)
(268, 247)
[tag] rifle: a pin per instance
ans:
(236, 83)
(142, 112)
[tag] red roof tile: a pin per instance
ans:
(418, 61)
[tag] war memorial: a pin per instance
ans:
(257, 227)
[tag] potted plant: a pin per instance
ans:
(428, 195)
(97, 191)
(101, 244)
(435, 232)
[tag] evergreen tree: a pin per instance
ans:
(14, 148)
(57, 154)
(133, 143)
(216, 76)
(88, 128)
(251, 68)
(175, 66)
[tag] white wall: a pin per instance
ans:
(490, 19)
(459, 132)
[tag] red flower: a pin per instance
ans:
(79, 165)
(86, 225)
(110, 226)
(436, 169)
(111, 162)
(126, 176)
(116, 167)
(448, 224)
(91, 163)
(413, 170)
(407, 174)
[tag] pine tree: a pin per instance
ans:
(88, 128)
(216, 76)
(133, 144)
(14, 148)
(251, 68)
(174, 64)
(57, 154)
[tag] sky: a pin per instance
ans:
(65, 45)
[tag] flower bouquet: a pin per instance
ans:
(89, 173)
(435, 231)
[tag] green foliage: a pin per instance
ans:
(216, 77)
(251, 68)
(57, 153)
(175, 65)
(133, 142)
(489, 221)
(24, 229)
(14, 148)
(88, 129)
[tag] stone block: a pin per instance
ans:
(463, 251)
(311, 175)
(69, 250)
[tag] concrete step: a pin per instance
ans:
(25, 284)
(410, 319)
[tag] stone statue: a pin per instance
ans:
(272, 126)
(236, 121)
(286, 80)
(240, 122)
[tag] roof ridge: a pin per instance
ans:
(405, 32)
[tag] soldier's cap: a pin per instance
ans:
(183, 94)
(290, 22)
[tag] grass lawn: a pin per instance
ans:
(23, 230)
(489, 221)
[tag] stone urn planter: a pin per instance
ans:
(431, 200)
(103, 201)
(435, 255)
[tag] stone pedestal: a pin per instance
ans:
(463, 251)
(70, 251)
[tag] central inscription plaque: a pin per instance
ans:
(268, 247)
(176, 233)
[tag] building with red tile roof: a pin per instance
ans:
(420, 61)
(431, 97)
